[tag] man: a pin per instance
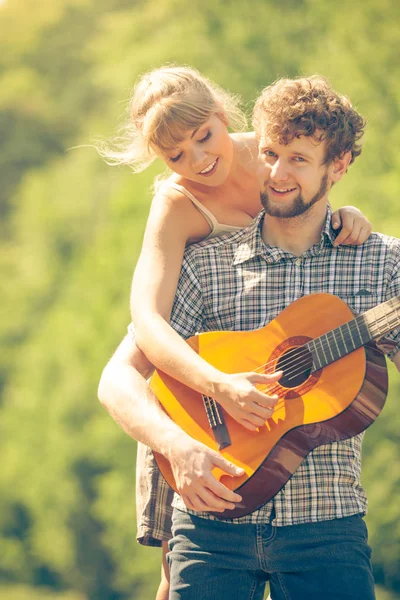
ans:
(310, 540)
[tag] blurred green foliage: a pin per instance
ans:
(71, 232)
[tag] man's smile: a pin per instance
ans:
(282, 191)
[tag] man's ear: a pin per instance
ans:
(339, 165)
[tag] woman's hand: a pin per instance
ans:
(239, 396)
(355, 227)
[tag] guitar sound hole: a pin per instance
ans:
(296, 364)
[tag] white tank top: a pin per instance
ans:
(216, 227)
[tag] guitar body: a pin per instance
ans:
(332, 404)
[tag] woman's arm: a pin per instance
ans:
(172, 223)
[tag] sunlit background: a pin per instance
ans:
(71, 230)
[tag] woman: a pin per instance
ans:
(180, 116)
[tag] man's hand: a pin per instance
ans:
(244, 402)
(192, 464)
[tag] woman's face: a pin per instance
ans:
(205, 155)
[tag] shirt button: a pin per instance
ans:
(297, 262)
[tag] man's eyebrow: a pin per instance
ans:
(302, 154)
(265, 143)
(268, 146)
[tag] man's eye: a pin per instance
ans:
(205, 138)
(269, 153)
(175, 159)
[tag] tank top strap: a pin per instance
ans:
(211, 220)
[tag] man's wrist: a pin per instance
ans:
(170, 441)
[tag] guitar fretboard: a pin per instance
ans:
(350, 336)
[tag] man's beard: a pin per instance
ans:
(298, 206)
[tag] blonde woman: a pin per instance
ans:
(178, 115)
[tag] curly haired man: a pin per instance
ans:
(310, 540)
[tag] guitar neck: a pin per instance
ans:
(369, 326)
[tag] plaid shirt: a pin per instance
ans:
(237, 282)
(153, 500)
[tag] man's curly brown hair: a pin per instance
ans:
(309, 106)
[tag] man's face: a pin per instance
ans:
(293, 177)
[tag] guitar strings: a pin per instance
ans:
(298, 365)
(351, 327)
(292, 359)
(286, 362)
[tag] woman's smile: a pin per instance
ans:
(210, 169)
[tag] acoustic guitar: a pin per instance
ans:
(334, 385)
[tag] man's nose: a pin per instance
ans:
(279, 170)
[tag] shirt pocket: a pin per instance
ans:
(361, 302)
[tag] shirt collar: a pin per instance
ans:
(252, 244)
(328, 233)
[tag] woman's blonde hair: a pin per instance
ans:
(166, 103)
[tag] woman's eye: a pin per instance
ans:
(205, 138)
(175, 159)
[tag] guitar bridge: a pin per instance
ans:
(217, 422)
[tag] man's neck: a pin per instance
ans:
(298, 234)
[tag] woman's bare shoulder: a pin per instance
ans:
(245, 135)
(169, 197)
(171, 208)
(246, 138)
(247, 149)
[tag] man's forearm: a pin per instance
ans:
(126, 395)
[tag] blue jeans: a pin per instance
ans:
(211, 560)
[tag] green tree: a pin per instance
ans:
(72, 232)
